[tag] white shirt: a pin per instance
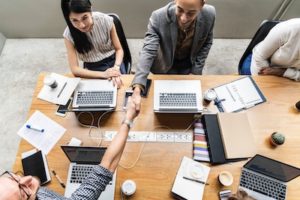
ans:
(280, 48)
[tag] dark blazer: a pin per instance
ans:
(160, 41)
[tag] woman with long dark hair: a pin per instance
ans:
(92, 37)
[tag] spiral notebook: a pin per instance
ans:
(238, 95)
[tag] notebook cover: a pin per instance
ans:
(34, 165)
(236, 135)
(214, 140)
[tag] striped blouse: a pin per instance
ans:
(100, 38)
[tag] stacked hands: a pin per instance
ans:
(276, 71)
(114, 75)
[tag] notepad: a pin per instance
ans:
(237, 137)
(36, 164)
(238, 95)
(189, 189)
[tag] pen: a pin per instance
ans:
(63, 87)
(190, 179)
(58, 178)
(32, 127)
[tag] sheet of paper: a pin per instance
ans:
(238, 94)
(46, 140)
(62, 93)
(188, 189)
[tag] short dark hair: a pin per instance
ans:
(81, 41)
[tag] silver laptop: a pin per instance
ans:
(83, 159)
(265, 178)
(97, 94)
(177, 96)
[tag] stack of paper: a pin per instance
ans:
(188, 180)
(46, 136)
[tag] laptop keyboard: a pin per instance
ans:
(263, 185)
(179, 100)
(95, 98)
(80, 172)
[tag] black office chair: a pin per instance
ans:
(261, 33)
(123, 41)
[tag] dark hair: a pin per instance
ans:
(81, 41)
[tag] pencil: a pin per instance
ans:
(195, 180)
(63, 87)
(58, 178)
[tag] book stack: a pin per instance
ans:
(200, 149)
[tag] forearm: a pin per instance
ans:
(85, 73)
(114, 152)
(119, 57)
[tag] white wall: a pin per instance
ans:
(43, 18)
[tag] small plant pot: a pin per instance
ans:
(277, 139)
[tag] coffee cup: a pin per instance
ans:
(225, 178)
(50, 81)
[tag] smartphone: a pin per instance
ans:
(62, 109)
(146, 91)
(127, 94)
(224, 194)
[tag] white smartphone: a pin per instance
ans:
(62, 109)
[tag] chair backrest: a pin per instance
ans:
(259, 36)
(123, 41)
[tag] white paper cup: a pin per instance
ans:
(225, 178)
(50, 81)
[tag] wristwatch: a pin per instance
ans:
(128, 122)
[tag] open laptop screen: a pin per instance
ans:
(272, 168)
(84, 155)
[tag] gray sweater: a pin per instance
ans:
(90, 189)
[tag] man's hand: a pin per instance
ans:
(276, 71)
(136, 98)
(131, 112)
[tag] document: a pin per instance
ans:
(190, 179)
(62, 93)
(41, 132)
(239, 94)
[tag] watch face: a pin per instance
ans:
(210, 95)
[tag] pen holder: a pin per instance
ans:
(277, 139)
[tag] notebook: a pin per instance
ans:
(214, 140)
(190, 189)
(83, 159)
(236, 135)
(238, 95)
(95, 95)
(35, 164)
(265, 178)
(177, 96)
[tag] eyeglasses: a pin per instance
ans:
(16, 177)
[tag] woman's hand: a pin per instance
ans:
(114, 74)
(111, 72)
(276, 71)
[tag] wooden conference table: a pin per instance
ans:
(157, 166)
